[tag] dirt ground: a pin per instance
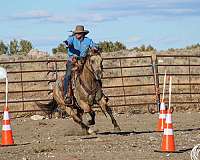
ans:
(61, 139)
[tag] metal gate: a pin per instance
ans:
(127, 81)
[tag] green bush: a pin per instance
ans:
(108, 46)
(193, 46)
(3, 48)
(143, 48)
(60, 49)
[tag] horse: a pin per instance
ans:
(87, 91)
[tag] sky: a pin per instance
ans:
(47, 23)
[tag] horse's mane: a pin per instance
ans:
(87, 57)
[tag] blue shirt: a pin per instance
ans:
(79, 48)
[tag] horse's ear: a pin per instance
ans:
(94, 51)
(99, 49)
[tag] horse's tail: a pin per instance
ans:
(50, 106)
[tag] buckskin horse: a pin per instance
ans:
(87, 91)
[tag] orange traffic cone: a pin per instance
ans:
(168, 144)
(7, 138)
(162, 117)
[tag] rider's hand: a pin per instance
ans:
(74, 59)
(67, 44)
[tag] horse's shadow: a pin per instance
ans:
(124, 133)
(128, 133)
(186, 130)
(177, 151)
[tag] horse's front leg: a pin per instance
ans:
(92, 120)
(77, 119)
(88, 110)
(106, 108)
(80, 113)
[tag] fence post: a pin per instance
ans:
(124, 94)
(189, 70)
(156, 81)
(56, 69)
(22, 86)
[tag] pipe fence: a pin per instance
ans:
(127, 81)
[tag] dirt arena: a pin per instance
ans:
(61, 139)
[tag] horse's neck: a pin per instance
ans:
(88, 77)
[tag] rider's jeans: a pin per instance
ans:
(67, 76)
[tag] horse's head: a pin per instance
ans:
(94, 62)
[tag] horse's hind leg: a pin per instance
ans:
(77, 119)
(59, 99)
(114, 122)
(106, 108)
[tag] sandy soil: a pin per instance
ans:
(61, 139)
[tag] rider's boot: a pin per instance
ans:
(69, 96)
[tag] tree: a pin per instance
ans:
(3, 48)
(193, 46)
(25, 46)
(108, 46)
(14, 47)
(105, 46)
(119, 46)
(54, 50)
(61, 48)
(150, 48)
(142, 48)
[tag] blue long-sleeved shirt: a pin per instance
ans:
(79, 48)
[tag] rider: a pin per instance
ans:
(78, 46)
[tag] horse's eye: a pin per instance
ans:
(92, 61)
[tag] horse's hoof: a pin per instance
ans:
(117, 129)
(92, 132)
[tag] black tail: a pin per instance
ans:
(50, 107)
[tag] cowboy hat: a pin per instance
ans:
(80, 29)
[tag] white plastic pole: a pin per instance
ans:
(3, 75)
(170, 91)
(6, 91)
(163, 95)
